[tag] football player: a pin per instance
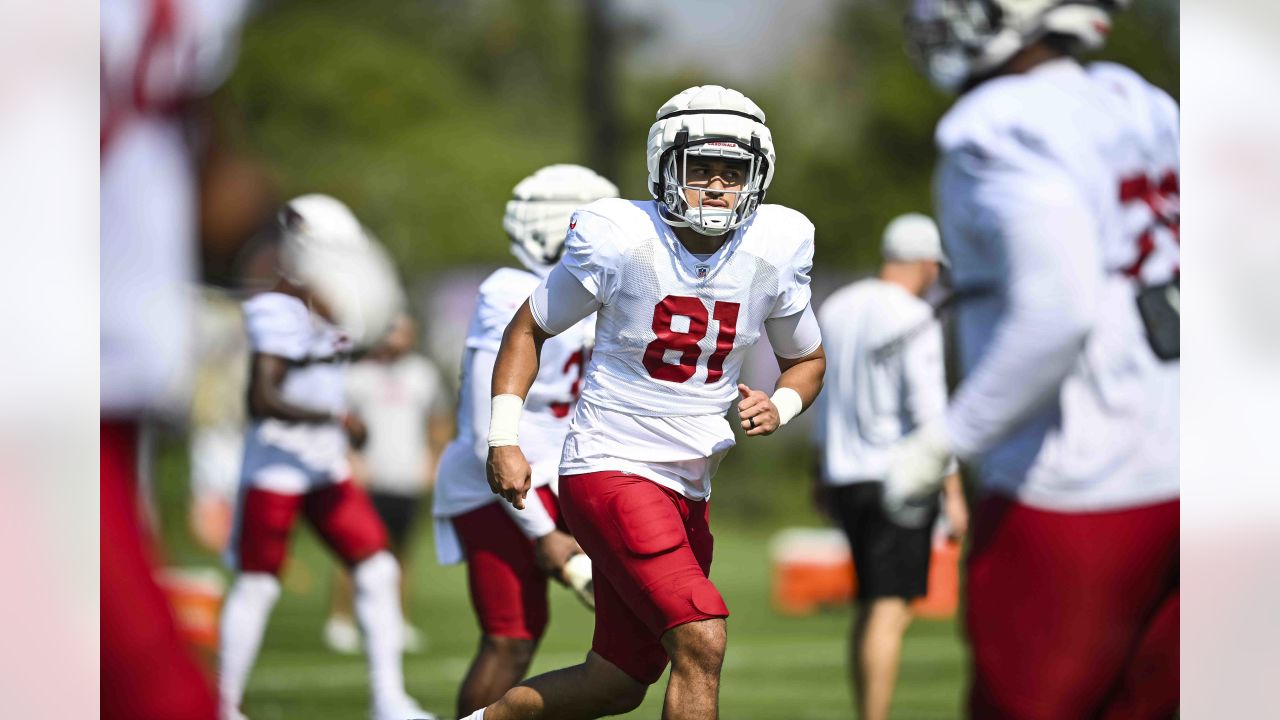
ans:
(335, 293)
(509, 552)
(159, 61)
(683, 285)
(1057, 194)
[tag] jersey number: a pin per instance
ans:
(686, 343)
(1162, 198)
(573, 365)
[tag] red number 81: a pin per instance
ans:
(724, 313)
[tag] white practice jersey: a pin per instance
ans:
(289, 457)
(885, 377)
(671, 335)
(157, 56)
(395, 400)
(1058, 197)
(460, 481)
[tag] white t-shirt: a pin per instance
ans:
(1057, 195)
(885, 377)
(460, 481)
(289, 457)
(672, 332)
(148, 192)
(395, 400)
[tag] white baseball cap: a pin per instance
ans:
(912, 237)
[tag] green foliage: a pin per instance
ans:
(423, 115)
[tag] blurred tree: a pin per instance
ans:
(423, 115)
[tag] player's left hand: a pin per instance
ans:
(357, 431)
(759, 416)
(917, 466)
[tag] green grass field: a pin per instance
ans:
(777, 667)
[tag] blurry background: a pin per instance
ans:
(422, 116)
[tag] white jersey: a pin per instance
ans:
(395, 400)
(671, 335)
(885, 377)
(287, 457)
(460, 481)
(1057, 197)
(157, 56)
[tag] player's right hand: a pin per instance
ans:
(509, 474)
(552, 551)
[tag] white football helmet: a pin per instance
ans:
(955, 42)
(325, 249)
(538, 213)
(315, 221)
(709, 121)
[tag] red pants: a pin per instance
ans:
(508, 590)
(341, 514)
(1073, 615)
(650, 552)
(147, 673)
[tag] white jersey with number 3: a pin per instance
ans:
(671, 335)
(1058, 199)
(461, 485)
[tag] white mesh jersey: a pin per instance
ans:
(671, 335)
(461, 485)
(289, 457)
(156, 57)
(1058, 198)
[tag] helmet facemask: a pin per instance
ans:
(957, 43)
(537, 229)
(945, 39)
(673, 185)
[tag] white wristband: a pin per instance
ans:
(504, 420)
(788, 403)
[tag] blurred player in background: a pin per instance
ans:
(886, 378)
(684, 284)
(510, 552)
(399, 395)
(1057, 194)
(159, 59)
(335, 293)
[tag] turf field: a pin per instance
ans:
(776, 667)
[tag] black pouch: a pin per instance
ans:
(1159, 306)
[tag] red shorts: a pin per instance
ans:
(341, 514)
(650, 552)
(147, 672)
(1073, 615)
(508, 591)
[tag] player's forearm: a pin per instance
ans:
(1034, 347)
(268, 403)
(953, 486)
(804, 375)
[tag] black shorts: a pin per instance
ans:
(890, 560)
(398, 513)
